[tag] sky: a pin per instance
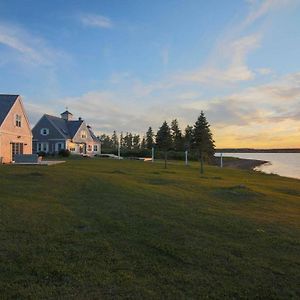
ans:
(126, 65)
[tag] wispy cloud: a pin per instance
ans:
(26, 47)
(229, 62)
(93, 20)
(260, 8)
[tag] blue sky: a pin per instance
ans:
(126, 65)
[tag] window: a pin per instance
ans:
(89, 148)
(95, 148)
(59, 146)
(42, 147)
(18, 121)
(44, 131)
(16, 148)
(72, 149)
(83, 134)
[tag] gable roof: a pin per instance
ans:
(73, 127)
(67, 129)
(60, 124)
(95, 139)
(6, 103)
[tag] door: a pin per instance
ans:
(16, 148)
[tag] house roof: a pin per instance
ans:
(68, 128)
(73, 126)
(6, 103)
(95, 139)
(60, 124)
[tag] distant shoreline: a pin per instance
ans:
(240, 163)
(253, 150)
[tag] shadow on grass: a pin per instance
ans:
(236, 193)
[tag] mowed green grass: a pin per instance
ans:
(102, 229)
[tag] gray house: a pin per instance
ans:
(52, 134)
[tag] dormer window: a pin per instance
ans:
(18, 120)
(83, 134)
(44, 131)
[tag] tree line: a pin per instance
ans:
(197, 138)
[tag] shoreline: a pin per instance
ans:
(240, 163)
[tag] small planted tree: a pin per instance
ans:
(203, 140)
(164, 140)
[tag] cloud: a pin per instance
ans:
(269, 103)
(264, 71)
(261, 8)
(229, 63)
(93, 20)
(27, 48)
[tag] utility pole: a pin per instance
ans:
(152, 154)
(119, 148)
(186, 157)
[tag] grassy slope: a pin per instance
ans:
(128, 229)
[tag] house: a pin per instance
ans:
(52, 134)
(15, 132)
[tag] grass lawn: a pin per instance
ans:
(101, 229)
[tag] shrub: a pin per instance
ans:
(41, 153)
(64, 153)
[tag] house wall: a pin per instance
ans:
(10, 133)
(88, 141)
(51, 139)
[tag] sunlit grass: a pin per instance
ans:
(96, 228)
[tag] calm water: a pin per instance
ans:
(284, 164)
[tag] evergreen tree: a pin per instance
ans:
(188, 137)
(106, 142)
(164, 139)
(143, 143)
(202, 139)
(176, 136)
(122, 140)
(114, 139)
(128, 141)
(149, 138)
(136, 141)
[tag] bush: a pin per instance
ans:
(64, 153)
(41, 153)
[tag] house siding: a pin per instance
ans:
(10, 133)
(52, 138)
(72, 138)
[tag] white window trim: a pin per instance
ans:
(44, 134)
(18, 121)
(62, 146)
(42, 147)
